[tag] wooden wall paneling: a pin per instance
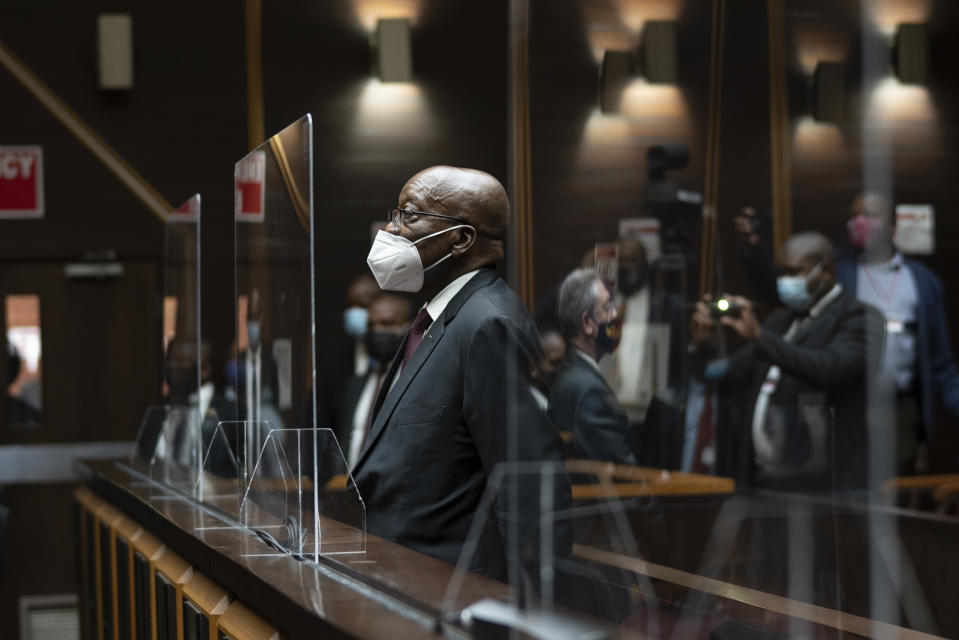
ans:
(208, 598)
(779, 125)
(171, 571)
(254, 74)
(90, 139)
(589, 169)
(744, 173)
(521, 262)
(127, 531)
(371, 137)
(151, 549)
(180, 125)
(83, 502)
(708, 266)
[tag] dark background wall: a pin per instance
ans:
(183, 127)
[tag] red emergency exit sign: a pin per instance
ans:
(21, 182)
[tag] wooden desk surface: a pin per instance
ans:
(388, 591)
(633, 482)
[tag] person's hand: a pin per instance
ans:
(745, 324)
(745, 223)
(702, 327)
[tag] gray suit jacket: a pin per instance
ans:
(459, 407)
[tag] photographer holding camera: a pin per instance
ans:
(801, 422)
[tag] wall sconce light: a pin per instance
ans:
(826, 96)
(614, 75)
(658, 52)
(115, 50)
(911, 54)
(655, 59)
(392, 51)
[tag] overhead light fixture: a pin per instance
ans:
(392, 50)
(827, 92)
(911, 54)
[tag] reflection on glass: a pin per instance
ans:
(24, 351)
(273, 211)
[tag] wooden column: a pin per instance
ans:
(520, 241)
(779, 126)
(254, 74)
(707, 274)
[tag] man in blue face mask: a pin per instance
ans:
(800, 421)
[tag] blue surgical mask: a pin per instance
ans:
(794, 292)
(354, 322)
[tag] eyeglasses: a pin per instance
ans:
(401, 216)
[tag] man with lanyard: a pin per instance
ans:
(918, 364)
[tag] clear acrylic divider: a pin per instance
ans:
(300, 498)
(274, 300)
(150, 434)
(554, 592)
(227, 465)
(167, 445)
(170, 439)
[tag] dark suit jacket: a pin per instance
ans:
(460, 407)
(581, 402)
(825, 362)
(937, 374)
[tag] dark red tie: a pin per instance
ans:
(420, 324)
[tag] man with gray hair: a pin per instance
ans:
(581, 401)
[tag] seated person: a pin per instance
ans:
(581, 401)
(803, 425)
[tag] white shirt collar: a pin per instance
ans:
(824, 301)
(437, 305)
(895, 262)
(585, 356)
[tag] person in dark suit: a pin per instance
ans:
(456, 403)
(388, 321)
(581, 401)
(803, 425)
(918, 366)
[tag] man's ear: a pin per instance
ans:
(465, 237)
(584, 324)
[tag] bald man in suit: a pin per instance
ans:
(456, 399)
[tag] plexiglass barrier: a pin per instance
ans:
(274, 302)
(300, 498)
(169, 443)
(171, 439)
(526, 517)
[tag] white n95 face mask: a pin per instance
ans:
(396, 263)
